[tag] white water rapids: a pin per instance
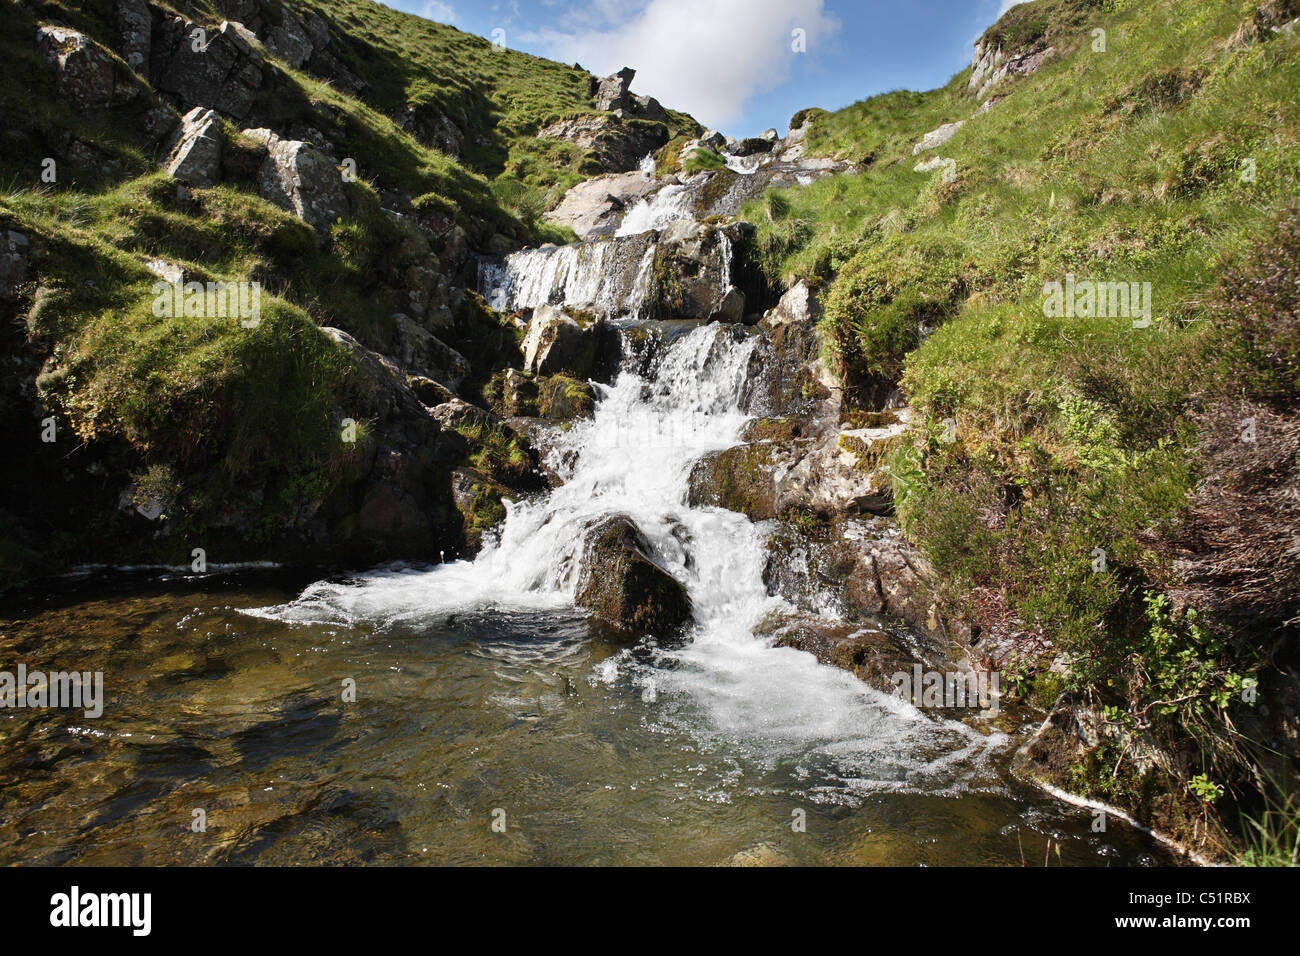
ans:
(634, 458)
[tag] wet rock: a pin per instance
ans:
(622, 586)
(300, 179)
(556, 342)
(195, 156)
(596, 206)
(89, 77)
(825, 565)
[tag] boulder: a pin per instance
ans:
(991, 65)
(195, 154)
(556, 343)
(420, 352)
(300, 179)
(89, 77)
(622, 586)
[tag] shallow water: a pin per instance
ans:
(457, 716)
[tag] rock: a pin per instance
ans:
(556, 343)
(751, 146)
(421, 352)
(14, 251)
(300, 179)
(622, 586)
(89, 78)
(712, 139)
(134, 32)
(166, 270)
(798, 305)
(649, 108)
(389, 512)
(937, 137)
(771, 135)
(217, 69)
(195, 156)
(615, 145)
(595, 207)
(434, 128)
(991, 66)
(931, 164)
(612, 92)
(730, 308)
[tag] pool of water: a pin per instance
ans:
(578, 750)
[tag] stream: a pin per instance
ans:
(482, 696)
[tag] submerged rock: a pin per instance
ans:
(623, 586)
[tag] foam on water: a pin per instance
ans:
(634, 457)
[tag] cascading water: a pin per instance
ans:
(610, 276)
(673, 203)
(634, 458)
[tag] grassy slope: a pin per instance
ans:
(200, 411)
(1072, 434)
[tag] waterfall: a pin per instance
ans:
(671, 204)
(634, 458)
(609, 276)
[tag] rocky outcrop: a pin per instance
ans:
(615, 144)
(217, 69)
(991, 65)
(623, 587)
(89, 76)
(614, 92)
(300, 179)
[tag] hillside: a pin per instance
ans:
(354, 163)
(1112, 496)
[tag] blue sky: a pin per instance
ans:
(732, 63)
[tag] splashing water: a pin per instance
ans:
(634, 458)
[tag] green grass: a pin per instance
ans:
(1072, 434)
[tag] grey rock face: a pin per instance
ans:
(556, 343)
(937, 137)
(617, 146)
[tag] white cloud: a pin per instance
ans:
(1007, 5)
(707, 57)
(438, 11)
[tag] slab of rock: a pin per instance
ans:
(195, 155)
(134, 32)
(14, 250)
(300, 179)
(937, 137)
(614, 92)
(622, 586)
